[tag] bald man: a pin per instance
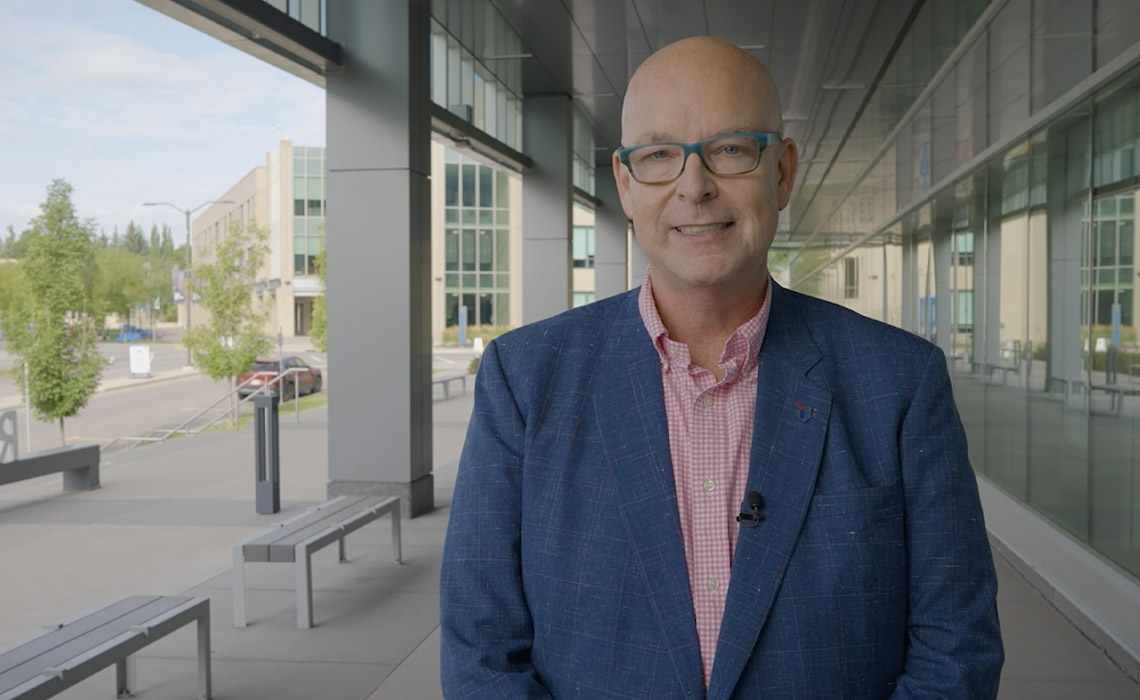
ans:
(710, 486)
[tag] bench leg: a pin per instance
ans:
(304, 588)
(126, 676)
(397, 553)
(343, 546)
(204, 689)
(239, 587)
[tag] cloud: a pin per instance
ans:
(134, 109)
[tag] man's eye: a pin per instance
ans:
(659, 155)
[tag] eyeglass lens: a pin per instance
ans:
(729, 155)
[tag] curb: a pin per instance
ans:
(139, 382)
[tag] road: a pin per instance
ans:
(136, 410)
(131, 411)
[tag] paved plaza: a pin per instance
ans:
(167, 516)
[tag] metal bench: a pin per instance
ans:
(75, 649)
(295, 540)
(446, 379)
(78, 463)
(1116, 393)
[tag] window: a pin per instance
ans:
(583, 298)
(964, 249)
(851, 278)
(582, 245)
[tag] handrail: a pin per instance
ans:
(162, 434)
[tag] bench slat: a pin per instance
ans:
(278, 545)
(256, 548)
(283, 549)
(60, 646)
(78, 626)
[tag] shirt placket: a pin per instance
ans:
(707, 493)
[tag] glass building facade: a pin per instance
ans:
(997, 218)
(308, 207)
(476, 241)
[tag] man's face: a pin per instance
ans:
(704, 230)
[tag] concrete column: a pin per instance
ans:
(611, 268)
(547, 201)
(379, 253)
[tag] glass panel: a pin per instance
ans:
(502, 251)
(468, 185)
(1059, 428)
(468, 250)
(486, 189)
(451, 184)
(486, 250)
(451, 249)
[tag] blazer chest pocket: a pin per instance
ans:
(864, 519)
(853, 541)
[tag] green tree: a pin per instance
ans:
(134, 240)
(119, 280)
(232, 336)
(47, 324)
(167, 246)
(318, 332)
(11, 281)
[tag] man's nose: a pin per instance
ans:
(696, 183)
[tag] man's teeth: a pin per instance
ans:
(701, 229)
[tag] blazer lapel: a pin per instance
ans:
(630, 408)
(793, 406)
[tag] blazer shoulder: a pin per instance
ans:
(582, 326)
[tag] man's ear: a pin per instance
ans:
(789, 159)
(621, 181)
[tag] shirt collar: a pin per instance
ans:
(741, 348)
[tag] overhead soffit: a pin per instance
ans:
(823, 54)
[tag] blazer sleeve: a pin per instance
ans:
(954, 647)
(486, 630)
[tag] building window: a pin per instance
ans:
(582, 246)
(476, 242)
(583, 298)
(964, 249)
(851, 278)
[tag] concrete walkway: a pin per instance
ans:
(167, 516)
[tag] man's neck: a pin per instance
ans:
(703, 319)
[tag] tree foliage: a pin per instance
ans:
(232, 336)
(318, 331)
(47, 324)
(134, 240)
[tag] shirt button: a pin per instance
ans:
(706, 401)
(713, 584)
(671, 350)
(709, 485)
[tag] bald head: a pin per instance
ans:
(701, 71)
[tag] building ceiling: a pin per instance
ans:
(825, 56)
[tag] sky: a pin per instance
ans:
(131, 106)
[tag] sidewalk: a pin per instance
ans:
(167, 516)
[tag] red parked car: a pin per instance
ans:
(265, 371)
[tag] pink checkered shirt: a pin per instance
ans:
(710, 437)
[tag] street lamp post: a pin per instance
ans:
(189, 259)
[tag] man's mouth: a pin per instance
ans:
(702, 228)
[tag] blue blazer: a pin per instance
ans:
(564, 574)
